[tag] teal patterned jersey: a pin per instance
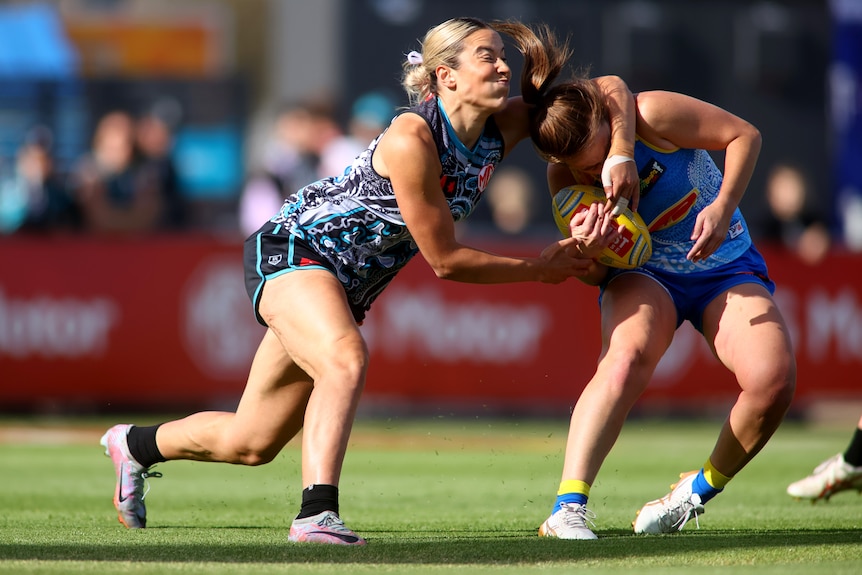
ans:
(354, 222)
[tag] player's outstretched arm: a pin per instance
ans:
(428, 217)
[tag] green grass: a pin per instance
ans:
(432, 496)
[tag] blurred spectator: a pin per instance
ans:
(369, 116)
(289, 161)
(33, 197)
(336, 149)
(790, 221)
(511, 199)
(115, 192)
(154, 138)
(306, 144)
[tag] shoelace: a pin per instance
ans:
(146, 475)
(333, 522)
(578, 515)
(688, 510)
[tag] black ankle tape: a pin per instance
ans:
(317, 499)
(853, 455)
(142, 445)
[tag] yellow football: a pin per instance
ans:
(634, 247)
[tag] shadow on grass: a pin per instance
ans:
(452, 548)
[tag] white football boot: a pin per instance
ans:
(827, 479)
(131, 478)
(326, 527)
(670, 513)
(570, 522)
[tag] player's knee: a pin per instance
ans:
(630, 363)
(775, 382)
(622, 381)
(349, 362)
(255, 456)
(784, 388)
(249, 449)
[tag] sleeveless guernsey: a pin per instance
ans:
(675, 185)
(353, 221)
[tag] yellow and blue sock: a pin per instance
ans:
(709, 482)
(571, 491)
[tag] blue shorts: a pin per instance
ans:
(691, 293)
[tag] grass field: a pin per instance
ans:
(431, 496)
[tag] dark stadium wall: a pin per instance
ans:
(766, 62)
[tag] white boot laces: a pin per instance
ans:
(578, 515)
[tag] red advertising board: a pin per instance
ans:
(164, 323)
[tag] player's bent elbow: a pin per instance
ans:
(442, 268)
(445, 273)
(753, 135)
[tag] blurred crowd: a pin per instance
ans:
(127, 182)
(306, 142)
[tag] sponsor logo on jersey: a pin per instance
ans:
(274, 260)
(485, 176)
(650, 175)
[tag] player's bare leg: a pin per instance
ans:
(312, 338)
(638, 323)
(269, 414)
(322, 337)
(749, 336)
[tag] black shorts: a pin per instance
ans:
(271, 252)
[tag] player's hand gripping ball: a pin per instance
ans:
(631, 250)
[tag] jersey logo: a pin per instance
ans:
(449, 184)
(650, 175)
(485, 176)
(675, 213)
(274, 260)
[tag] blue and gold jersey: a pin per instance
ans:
(675, 185)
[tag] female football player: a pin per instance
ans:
(315, 268)
(704, 269)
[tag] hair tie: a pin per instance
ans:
(414, 58)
